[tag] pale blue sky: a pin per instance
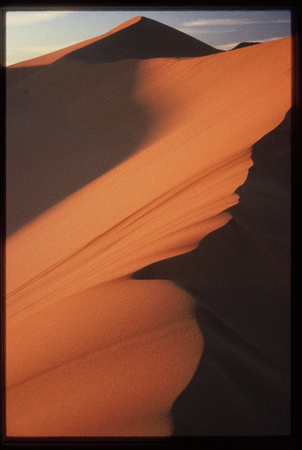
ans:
(32, 33)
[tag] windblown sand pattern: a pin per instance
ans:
(120, 156)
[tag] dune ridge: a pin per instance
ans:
(54, 56)
(177, 149)
(138, 38)
(90, 351)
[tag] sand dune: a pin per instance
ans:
(115, 163)
(137, 38)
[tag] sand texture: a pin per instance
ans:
(125, 152)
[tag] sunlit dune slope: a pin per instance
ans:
(109, 361)
(91, 352)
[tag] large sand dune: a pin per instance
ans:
(138, 38)
(117, 160)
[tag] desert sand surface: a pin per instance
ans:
(125, 154)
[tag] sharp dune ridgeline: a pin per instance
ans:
(147, 255)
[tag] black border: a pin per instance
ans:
(211, 442)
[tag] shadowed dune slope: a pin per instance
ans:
(90, 351)
(15, 75)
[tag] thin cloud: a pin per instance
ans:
(231, 22)
(31, 17)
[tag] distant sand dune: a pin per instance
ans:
(113, 166)
(139, 37)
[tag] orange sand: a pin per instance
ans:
(91, 352)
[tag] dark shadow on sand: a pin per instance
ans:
(240, 278)
(15, 75)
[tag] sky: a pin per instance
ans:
(30, 33)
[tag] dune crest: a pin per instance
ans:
(91, 352)
(138, 37)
